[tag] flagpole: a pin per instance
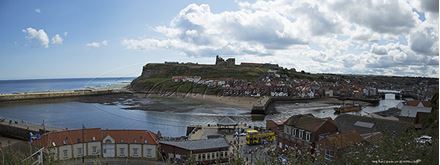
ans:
(82, 134)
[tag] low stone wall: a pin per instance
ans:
(16, 132)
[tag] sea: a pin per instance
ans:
(158, 118)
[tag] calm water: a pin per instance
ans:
(38, 85)
(75, 114)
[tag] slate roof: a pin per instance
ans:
(199, 144)
(340, 141)
(411, 111)
(307, 122)
(346, 123)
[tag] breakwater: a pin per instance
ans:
(265, 105)
(57, 94)
(21, 129)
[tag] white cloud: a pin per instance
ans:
(97, 44)
(342, 36)
(38, 11)
(57, 40)
(39, 35)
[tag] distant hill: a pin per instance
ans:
(154, 75)
(157, 77)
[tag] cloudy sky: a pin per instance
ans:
(61, 39)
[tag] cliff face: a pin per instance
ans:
(153, 74)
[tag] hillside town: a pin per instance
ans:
(278, 81)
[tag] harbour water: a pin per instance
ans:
(40, 85)
(169, 116)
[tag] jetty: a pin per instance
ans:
(59, 94)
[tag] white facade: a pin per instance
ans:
(108, 147)
(121, 150)
(94, 148)
(79, 150)
(135, 150)
(65, 152)
(149, 151)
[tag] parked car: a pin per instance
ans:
(425, 139)
(282, 159)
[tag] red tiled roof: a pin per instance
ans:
(131, 136)
(69, 137)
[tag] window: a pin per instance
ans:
(329, 154)
(149, 152)
(221, 154)
(294, 132)
(200, 156)
(65, 153)
(203, 156)
(79, 151)
(94, 149)
(121, 151)
(308, 136)
(226, 154)
(209, 155)
(135, 151)
(301, 134)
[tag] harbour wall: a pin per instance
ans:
(60, 94)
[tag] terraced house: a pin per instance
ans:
(95, 142)
(304, 131)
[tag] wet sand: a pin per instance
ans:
(243, 102)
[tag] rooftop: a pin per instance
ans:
(363, 124)
(307, 122)
(198, 144)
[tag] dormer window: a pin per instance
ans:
(122, 140)
(93, 138)
(145, 141)
(78, 140)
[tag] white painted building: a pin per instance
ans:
(75, 144)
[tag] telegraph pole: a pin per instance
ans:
(82, 134)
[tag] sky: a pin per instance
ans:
(97, 38)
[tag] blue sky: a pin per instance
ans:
(84, 21)
(116, 38)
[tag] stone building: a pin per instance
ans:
(230, 62)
